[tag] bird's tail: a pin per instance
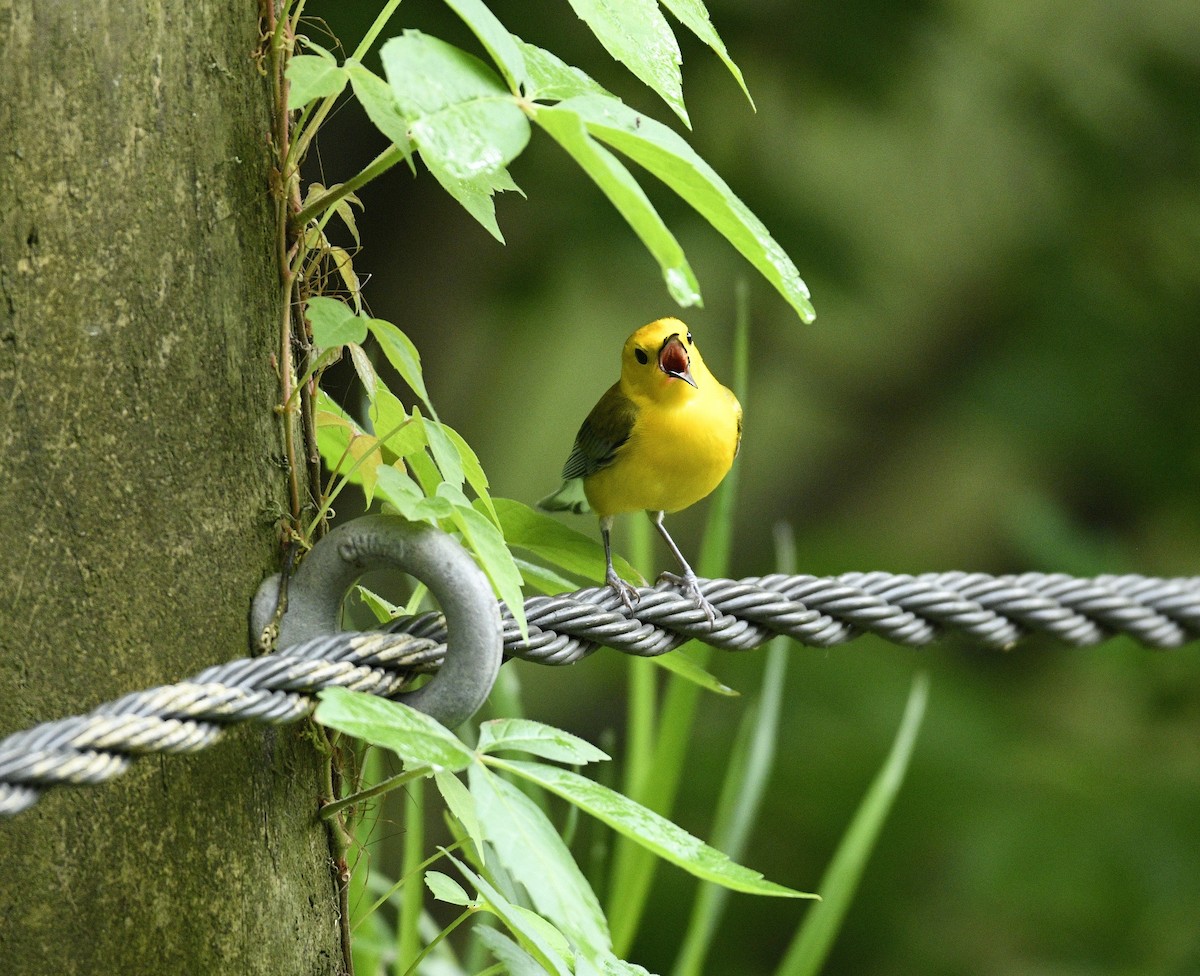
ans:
(568, 498)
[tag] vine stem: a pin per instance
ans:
(280, 39)
(391, 783)
(379, 165)
(310, 126)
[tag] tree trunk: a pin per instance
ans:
(139, 307)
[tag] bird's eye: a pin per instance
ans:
(689, 335)
(641, 356)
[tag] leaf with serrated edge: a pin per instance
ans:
(694, 16)
(344, 208)
(403, 494)
(623, 191)
(665, 154)
(494, 36)
(364, 368)
(384, 610)
(530, 848)
(645, 827)
(311, 77)
(526, 735)
(466, 124)
(486, 541)
(402, 354)
(638, 35)
(552, 79)
(537, 937)
(473, 471)
(515, 960)
(444, 452)
(333, 323)
(415, 737)
(347, 451)
(378, 101)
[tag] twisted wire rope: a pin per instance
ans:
(992, 611)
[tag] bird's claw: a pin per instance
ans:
(691, 587)
(626, 591)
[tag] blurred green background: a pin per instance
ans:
(996, 207)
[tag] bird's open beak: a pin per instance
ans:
(673, 360)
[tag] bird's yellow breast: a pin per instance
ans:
(679, 449)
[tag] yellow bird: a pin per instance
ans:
(660, 439)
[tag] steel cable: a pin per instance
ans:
(991, 611)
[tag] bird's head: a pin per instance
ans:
(662, 358)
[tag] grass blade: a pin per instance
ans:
(811, 945)
(746, 776)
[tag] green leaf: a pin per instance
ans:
(645, 827)
(694, 16)
(536, 936)
(552, 79)
(425, 471)
(465, 123)
(400, 431)
(473, 471)
(413, 736)
(485, 540)
(637, 34)
(665, 154)
(444, 452)
(679, 663)
(348, 452)
(806, 955)
(462, 805)
(383, 610)
(445, 888)
(404, 495)
(327, 403)
(403, 355)
(559, 544)
(364, 368)
(495, 38)
(525, 735)
(379, 102)
(530, 848)
(543, 580)
(333, 323)
(623, 191)
(515, 960)
(747, 772)
(311, 77)
(344, 265)
(344, 208)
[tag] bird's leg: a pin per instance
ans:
(687, 581)
(627, 593)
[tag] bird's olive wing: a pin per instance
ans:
(601, 435)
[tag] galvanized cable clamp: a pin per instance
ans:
(324, 578)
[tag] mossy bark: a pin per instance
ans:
(140, 458)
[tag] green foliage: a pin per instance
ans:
(807, 953)
(515, 842)
(467, 121)
(991, 362)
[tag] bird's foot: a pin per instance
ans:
(691, 587)
(626, 591)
